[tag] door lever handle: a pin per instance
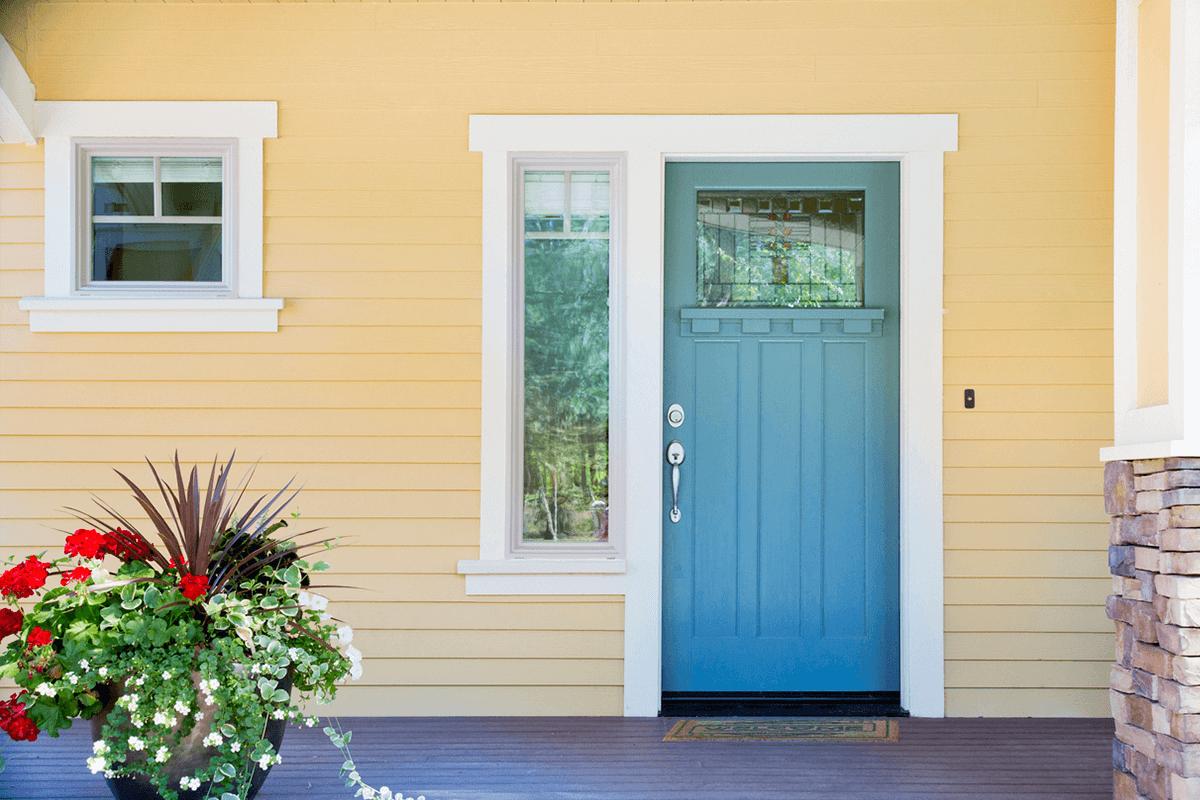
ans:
(675, 456)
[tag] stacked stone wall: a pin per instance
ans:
(1154, 556)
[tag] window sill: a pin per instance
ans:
(151, 314)
(544, 576)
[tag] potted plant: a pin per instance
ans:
(183, 648)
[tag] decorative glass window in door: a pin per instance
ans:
(793, 249)
(566, 267)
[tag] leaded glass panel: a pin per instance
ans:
(792, 249)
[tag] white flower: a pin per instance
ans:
(161, 755)
(141, 679)
(366, 793)
(235, 746)
(166, 675)
(214, 739)
(355, 671)
(100, 575)
(279, 713)
(160, 718)
(199, 715)
(264, 761)
(182, 707)
(72, 678)
(97, 763)
(84, 665)
(189, 783)
(316, 602)
(137, 721)
(354, 654)
(308, 723)
(345, 634)
(293, 653)
(46, 689)
(100, 747)
(103, 671)
(136, 744)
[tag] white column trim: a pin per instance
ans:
(1171, 429)
(917, 142)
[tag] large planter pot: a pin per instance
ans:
(188, 756)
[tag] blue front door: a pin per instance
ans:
(782, 351)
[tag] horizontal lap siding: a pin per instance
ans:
(370, 391)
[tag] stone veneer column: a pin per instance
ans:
(1154, 556)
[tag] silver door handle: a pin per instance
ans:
(675, 458)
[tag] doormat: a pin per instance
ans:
(785, 729)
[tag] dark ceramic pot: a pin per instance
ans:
(188, 756)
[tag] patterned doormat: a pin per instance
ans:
(785, 729)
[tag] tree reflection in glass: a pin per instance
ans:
(566, 261)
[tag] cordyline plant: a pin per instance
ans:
(149, 646)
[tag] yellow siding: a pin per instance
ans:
(370, 391)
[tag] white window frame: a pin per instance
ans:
(70, 130)
(516, 547)
(87, 149)
(918, 142)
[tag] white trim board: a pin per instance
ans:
(63, 308)
(1172, 429)
(917, 142)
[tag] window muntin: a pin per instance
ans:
(565, 260)
(157, 218)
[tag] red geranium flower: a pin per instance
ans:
(86, 543)
(25, 578)
(39, 636)
(77, 574)
(14, 721)
(193, 586)
(10, 621)
(126, 545)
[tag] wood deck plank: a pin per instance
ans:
(613, 758)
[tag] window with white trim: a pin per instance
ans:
(157, 217)
(154, 217)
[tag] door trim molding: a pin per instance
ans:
(917, 142)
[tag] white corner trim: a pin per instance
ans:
(539, 566)
(62, 123)
(16, 99)
(648, 142)
(142, 315)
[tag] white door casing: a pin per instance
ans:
(917, 142)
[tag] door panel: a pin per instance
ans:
(783, 572)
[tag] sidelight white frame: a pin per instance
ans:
(918, 143)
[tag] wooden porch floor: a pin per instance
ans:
(613, 758)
